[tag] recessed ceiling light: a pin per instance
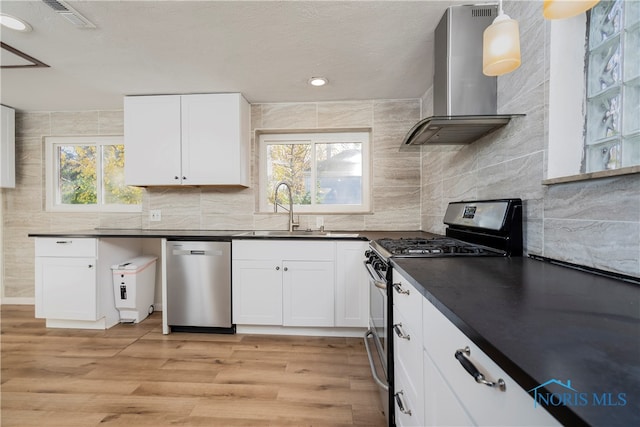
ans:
(14, 23)
(317, 81)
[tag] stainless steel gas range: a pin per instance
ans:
(474, 228)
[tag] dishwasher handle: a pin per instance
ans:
(200, 252)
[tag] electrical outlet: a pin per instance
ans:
(155, 215)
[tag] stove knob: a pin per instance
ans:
(367, 253)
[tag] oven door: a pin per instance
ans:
(375, 339)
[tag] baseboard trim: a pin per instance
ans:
(17, 301)
(309, 331)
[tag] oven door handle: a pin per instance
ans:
(376, 378)
(381, 284)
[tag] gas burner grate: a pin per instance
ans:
(431, 247)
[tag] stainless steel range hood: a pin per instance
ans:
(464, 99)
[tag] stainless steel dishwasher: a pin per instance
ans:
(199, 286)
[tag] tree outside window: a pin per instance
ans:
(327, 172)
(88, 174)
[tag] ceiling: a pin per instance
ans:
(265, 49)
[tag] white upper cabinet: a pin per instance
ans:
(7, 148)
(152, 140)
(199, 139)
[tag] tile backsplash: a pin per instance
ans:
(396, 180)
(595, 223)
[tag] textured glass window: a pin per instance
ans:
(613, 86)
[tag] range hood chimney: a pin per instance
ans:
(464, 99)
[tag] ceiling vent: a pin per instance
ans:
(70, 14)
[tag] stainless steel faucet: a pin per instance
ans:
(292, 223)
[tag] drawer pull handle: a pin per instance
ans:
(397, 328)
(401, 405)
(463, 357)
(63, 242)
(399, 289)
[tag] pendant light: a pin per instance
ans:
(501, 45)
(560, 9)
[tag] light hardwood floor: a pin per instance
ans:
(132, 375)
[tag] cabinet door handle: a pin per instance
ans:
(278, 268)
(286, 269)
(399, 289)
(90, 265)
(176, 177)
(397, 328)
(184, 178)
(401, 405)
(463, 357)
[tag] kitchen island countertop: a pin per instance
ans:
(541, 321)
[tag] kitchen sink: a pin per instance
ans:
(300, 233)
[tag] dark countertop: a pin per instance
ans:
(146, 233)
(540, 321)
(215, 234)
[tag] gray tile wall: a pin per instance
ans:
(396, 181)
(594, 223)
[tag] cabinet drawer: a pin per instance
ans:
(408, 353)
(66, 247)
(485, 405)
(408, 409)
(441, 406)
(407, 299)
(300, 250)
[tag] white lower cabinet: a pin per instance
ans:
(73, 280)
(407, 345)
(308, 293)
(283, 283)
(257, 291)
(486, 406)
(440, 392)
(68, 288)
(352, 285)
(441, 406)
(306, 283)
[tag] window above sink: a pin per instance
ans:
(329, 172)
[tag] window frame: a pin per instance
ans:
(565, 146)
(316, 137)
(52, 174)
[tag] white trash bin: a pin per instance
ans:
(134, 283)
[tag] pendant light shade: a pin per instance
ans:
(501, 46)
(560, 9)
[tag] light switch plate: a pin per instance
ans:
(155, 215)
